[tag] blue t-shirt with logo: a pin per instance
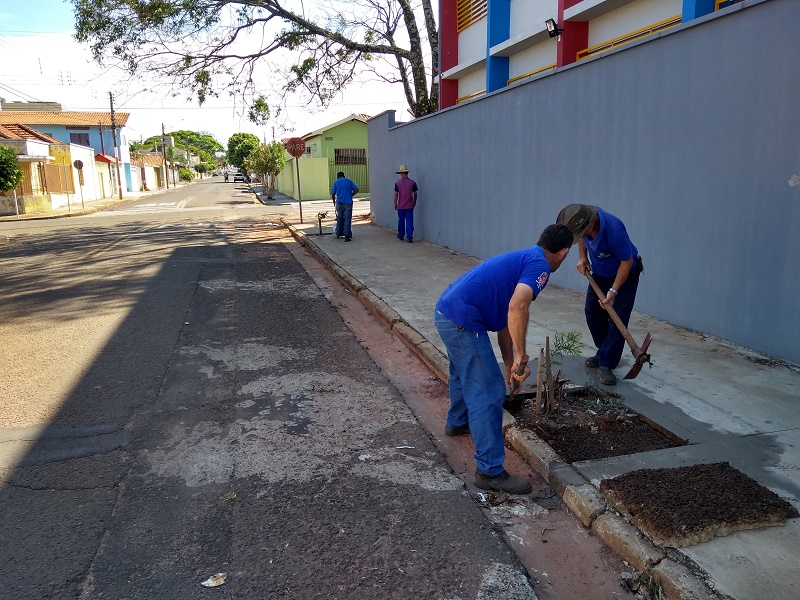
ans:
(610, 246)
(343, 188)
(478, 300)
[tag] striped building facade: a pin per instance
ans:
(486, 45)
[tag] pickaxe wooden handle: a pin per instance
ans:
(515, 385)
(640, 354)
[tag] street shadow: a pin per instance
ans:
(61, 476)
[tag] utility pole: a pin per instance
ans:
(103, 152)
(164, 154)
(114, 139)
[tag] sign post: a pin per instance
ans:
(297, 147)
(66, 184)
(78, 164)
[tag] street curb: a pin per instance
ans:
(578, 494)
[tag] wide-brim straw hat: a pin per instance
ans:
(577, 217)
(402, 169)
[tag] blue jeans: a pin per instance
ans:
(344, 214)
(405, 223)
(606, 336)
(477, 390)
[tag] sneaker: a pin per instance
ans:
(607, 376)
(454, 431)
(503, 482)
(592, 362)
(348, 239)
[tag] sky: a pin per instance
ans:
(40, 61)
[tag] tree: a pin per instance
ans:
(10, 171)
(240, 145)
(201, 168)
(185, 174)
(267, 161)
(137, 149)
(170, 155)
(207, 46)
(203, 144)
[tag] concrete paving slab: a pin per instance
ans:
(761, 563)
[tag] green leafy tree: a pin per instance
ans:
(240, 145)
(171, 156)
(208, 46)
(185, 174)
(205, 157)
(137, 149)
(10, 171)
(198, 142)
(267, 161)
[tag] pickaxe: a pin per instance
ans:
(513, 400)
(515, 385)
(640, 355)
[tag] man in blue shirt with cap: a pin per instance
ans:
(608, 253)
(494, 296)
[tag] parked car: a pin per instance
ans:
(238, 178)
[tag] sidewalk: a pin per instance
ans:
(730, 403)
(77, 208)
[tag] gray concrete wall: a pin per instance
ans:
(690, 138)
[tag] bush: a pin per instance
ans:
(10, 171)
(185, 174)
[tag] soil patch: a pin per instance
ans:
(591, 423)
(687, 505)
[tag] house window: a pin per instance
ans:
(82, 139)
(350, 156)
(469, 12)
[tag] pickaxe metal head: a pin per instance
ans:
(640, 357)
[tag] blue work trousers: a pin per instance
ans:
(344, 217)
(405, 223)
(477, 390)
(605, 334)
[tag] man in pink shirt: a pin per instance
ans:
(405, 199)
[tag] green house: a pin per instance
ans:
(341, 146)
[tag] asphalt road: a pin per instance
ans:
(180, 399)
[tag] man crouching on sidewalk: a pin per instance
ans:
(494, 296)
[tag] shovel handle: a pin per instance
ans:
(614, 316)
(515, 385)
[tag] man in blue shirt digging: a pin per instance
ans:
(606, 251)
(342, 196)
(494, 296)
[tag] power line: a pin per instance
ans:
(22, 95)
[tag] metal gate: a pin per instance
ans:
(359, 174)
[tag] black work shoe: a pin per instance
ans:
(454, 431)
(592, 362)
(607, 376)
(410, 241)
(347, 239)
(503, 482)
